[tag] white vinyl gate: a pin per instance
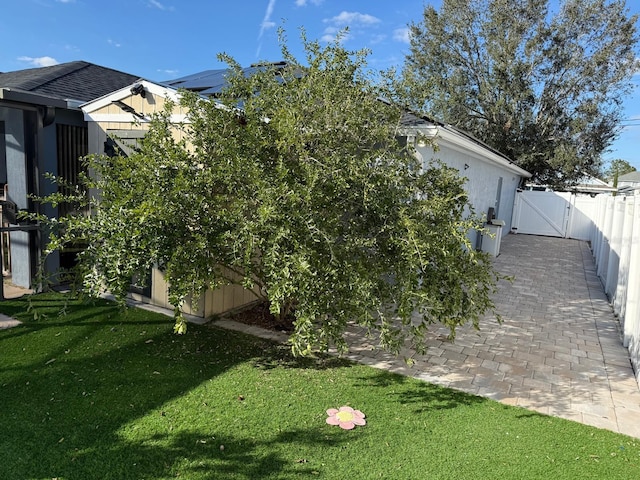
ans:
(553, 214)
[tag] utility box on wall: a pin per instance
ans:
(491, 243)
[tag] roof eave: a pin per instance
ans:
(20, 96)
(453, 138)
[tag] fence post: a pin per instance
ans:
(631, 331)
(596, 242)
(615, 243)
(620, 296)
(603, 257)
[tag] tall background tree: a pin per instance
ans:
(615, 169)
(544, 87)
(292, 183)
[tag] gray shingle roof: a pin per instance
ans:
(78, 80)
(630, 177)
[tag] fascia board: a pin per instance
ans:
(125, 92)
(20, 96)
(455, 141)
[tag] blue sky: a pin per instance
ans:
(164, 39)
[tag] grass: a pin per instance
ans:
(105, 394)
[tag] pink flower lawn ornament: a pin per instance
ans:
(345, 417)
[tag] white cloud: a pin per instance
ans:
(330, 34)
(39, 61)
(401, 35)
(355, 21)
(266, 21)
(352, 19)
(66, 1)
(114, 43)
(266, 24)
(159, 6)
(169, 72)
(304, 3)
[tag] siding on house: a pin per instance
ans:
(44, 131)
(106, 116)
(491, 178)
(210, 303)
(487, 185)
(629, 183)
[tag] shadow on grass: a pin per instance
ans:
(198, 454)
(530, 414)
(53, 311)
(70, 386)
(280, 356)
(422, 396)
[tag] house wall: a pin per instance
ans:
(211, 302)
(48, 163)
(487, 184)
(151, 104)
(31, 151)
(15, 155)
(16, 158)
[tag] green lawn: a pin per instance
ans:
(104, 394)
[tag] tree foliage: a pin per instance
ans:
(616, 168)
(292, 183)
(543, 87)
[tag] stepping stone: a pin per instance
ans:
(8, 322)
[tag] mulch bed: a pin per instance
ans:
(260, 316)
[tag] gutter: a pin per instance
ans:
(459, 140)
(31, 98)
(466, 143)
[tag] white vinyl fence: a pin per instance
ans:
(615, 240)
(554, 214)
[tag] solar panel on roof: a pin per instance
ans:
(211, 82)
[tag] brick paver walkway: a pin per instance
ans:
(558, 350)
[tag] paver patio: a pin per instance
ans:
(558, 350)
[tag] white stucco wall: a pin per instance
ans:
(483, 179)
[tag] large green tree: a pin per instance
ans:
(543, 86)
(293, 183)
